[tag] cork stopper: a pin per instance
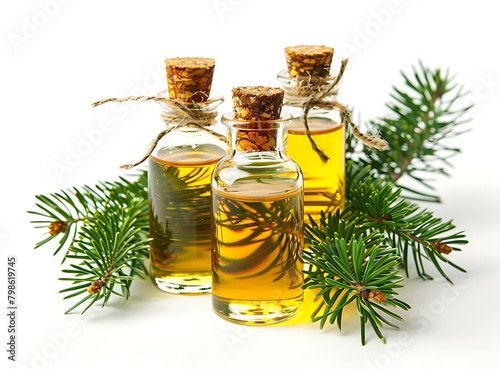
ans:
(255, 103)
(189, 79)
(258, 106)
(309, 60)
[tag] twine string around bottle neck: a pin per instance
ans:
(321, 92)
(178, 115)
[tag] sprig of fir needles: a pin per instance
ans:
(354, 256)
(349, 264)
(423, 115)
(105, 230)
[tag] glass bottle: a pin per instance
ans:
(179, 173)
(324, 176)
(258, 225)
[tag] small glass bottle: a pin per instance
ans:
(179, 172)
(319, 147)
(257, 214)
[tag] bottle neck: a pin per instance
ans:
(178, 113)
(257, 136)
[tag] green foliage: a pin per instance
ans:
(423, 115)
(373, 204)
(348, 265)
(389, 233)
(105, 228)
(382, 224)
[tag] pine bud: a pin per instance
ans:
(441, 247)
(57, 227)
(95, 287)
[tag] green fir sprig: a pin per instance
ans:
(353, 257)
(389, 233)
(349, 264)
(105, 228)
(374, 204)
(424, 114)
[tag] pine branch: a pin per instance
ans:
(108, 251)
(105, 228)
(350, 265)
(421, 120)
(424, 114)
(375, 204)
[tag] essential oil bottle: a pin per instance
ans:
(179, 172)
(257, 193)
(316, 137)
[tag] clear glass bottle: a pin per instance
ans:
(324, 177)
(258, 225)
(179, 173)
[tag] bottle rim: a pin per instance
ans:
(215, 98)
(229, 120)
(284, 77)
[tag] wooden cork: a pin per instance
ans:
(255, 103)
(309, 60)
(189, 79)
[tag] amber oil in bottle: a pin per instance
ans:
(179, 174)
(321, 156)
(258, 225)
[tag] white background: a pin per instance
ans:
(59, 56)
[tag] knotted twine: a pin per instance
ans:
(321, 92)
(178, 115)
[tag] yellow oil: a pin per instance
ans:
(256, 257)
(180, 217)
(324, 183)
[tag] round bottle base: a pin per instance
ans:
(185, 284)
(256, 312)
